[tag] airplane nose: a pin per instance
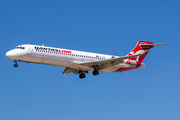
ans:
(10, 54)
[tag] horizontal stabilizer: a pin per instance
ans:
(155, 44)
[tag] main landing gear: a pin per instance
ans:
(15, 65)
(95, 72)
(82, 75)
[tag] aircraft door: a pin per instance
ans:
(29, 51)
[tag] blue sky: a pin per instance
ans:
(34, 92)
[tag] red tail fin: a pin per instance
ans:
(140, 49)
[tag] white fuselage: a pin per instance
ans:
(60, 57)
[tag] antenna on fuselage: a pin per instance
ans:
(43, 45)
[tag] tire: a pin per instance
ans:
(82, 75)
(15, 65)
(96, 72)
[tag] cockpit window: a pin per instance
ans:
(20, 47)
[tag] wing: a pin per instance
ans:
(72, 70)
(106, 63)
(67, 70)
(89, 66)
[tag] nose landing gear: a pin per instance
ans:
(15, 65)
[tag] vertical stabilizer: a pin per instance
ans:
(142, 47)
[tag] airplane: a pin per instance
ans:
(79, 62)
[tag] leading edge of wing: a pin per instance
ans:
(117, 60)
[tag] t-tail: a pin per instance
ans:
(143, 47)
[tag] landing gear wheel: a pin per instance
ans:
(16, 65)
(82, 75)
(96, 72)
